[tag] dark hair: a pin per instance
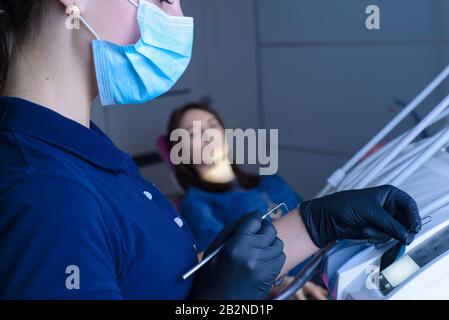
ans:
(187, 175)
(18, 20)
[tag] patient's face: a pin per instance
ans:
(214, 140)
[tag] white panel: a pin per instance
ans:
(335, 98)
(344, 20)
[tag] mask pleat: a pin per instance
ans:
(153, 80)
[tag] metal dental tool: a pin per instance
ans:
(216, 251)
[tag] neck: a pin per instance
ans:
(218, 173)
(55, 70)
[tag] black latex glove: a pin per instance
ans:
(247, 266)
(377, 214)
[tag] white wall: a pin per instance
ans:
(307, 67)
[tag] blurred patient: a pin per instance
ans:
(216, 195)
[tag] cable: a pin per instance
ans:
(304, 276)
(335, 179)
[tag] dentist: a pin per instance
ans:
(77, 220)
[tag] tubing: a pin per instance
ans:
(435, 205)
(443, 139)
(398, 165)
(369, 176)
(354, 176)
(304, 276)
(338, 176)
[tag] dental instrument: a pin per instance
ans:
(216, 251)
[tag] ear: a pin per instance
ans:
(79, 3)
(67, 3)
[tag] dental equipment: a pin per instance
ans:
(414, 114)
(353, 271)
(354, 176)
(407, 158)
(360, 270)
(369, 176)
(216, 251)
(442, 140)
(435, 205)
(335, 179)
(304, 276)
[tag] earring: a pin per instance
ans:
(73, 10)
(74, 15)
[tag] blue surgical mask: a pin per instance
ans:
(149, 68)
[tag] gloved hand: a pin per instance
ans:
(377, 214)
(247, 266)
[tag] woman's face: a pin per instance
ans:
(116, 20)
(217, 146)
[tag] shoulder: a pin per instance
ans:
(41, 198)
(26, 161)
(195, 201)
(273, 180)
(13, 157)
(23, 153)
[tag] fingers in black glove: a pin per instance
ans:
(404, 208)
(383, 226)
(267, 234)
(252, 220)
(248, 265)
(377, 214)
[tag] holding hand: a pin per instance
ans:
(248, 265)
(377, 214)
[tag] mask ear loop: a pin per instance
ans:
(87, 25)
(74, 11)
(134, 3)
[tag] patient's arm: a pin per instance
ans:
(297, 243)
